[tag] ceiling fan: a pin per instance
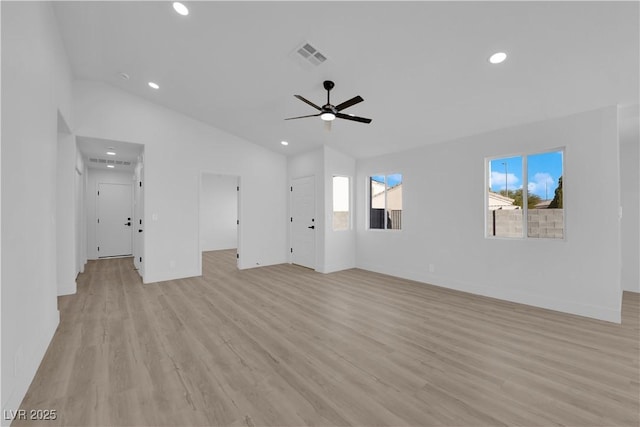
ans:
(329, 112)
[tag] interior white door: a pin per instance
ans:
(115, 220)
(303, 227)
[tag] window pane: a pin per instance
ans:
(394, 201)
(341, 219)
(545, 217)
(504, 201)
(377, 201)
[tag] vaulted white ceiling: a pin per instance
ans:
(420, 66)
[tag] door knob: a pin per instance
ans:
(313, 227)
(128, 224)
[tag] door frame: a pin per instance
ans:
(138, 216)
(80, 220)
(239, 213)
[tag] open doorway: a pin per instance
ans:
(219, 212)
(114, 201)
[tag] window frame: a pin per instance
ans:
(369, 200)
(525, 184)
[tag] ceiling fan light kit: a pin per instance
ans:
(329, 112)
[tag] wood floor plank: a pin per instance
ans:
(285, 346)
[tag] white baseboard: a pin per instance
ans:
(571, 307)
(166, 276)
(67, 289)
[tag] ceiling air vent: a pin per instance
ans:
(308, 54)
(306, 50)
(110, 161)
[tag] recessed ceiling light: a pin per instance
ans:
(154, 85)
(284, 143)
(111, 153)
(497, 57)
(180, 8)
(110, 166)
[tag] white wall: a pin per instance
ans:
(340, 246)
(36, 84)
(138, 215)
(177, 148)
(578, 275)
(335, 250)
(66, 219)
(218, 212)
(630, 200)
(96, 177)
(80, 184)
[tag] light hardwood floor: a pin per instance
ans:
(286, 346)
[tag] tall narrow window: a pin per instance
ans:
(507, 202)
(385, 202)
(377, 202)
(341, 201)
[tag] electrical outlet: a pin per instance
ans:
(432, 268)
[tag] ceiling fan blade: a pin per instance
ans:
(349, 103)
(354, 118)
(302, 117)
(303, 99)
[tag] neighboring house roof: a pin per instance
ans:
(498, 201)
(377, 187)
(394, 197)
(543, 205)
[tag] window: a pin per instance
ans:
(542, 205)
(545, 215)
(385, 202)
(341, 201)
